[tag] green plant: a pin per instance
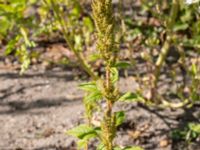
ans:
(188, 134)
(15, 25)
(177, 24)
(105, 88)
(72, 34)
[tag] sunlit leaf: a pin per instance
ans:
(131, 97)
(90, 86)
(194, 127)
(83, 132)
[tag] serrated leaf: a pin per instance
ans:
(120, 117)
(131, 97)
(83, 132)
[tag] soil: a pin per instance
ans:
(36, 110)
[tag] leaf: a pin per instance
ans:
(178, 134)
(90, 86)
(114, 75)
(133, 148)
(131, 97)
(88, 23)
(24, 58)
(120, 117)
(117, 148)
(76, 11)
(94, 57)
(122, 65)
(101, 146)
(194, 69)
(194, 127)
(11, 45)
(4, 24)
(81, 144)
(93, 97)
(83, 132)
(179, 27)
(78, 42)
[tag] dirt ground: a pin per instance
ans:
(37, 108)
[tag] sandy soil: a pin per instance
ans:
(37, 108)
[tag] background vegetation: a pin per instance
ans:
(152, 41)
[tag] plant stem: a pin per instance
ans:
(105, 25)
(83, 63)
(166, 46)
(108, 113)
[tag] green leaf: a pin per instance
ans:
(93, 97)
(133, 148)
(83, 132)
(194, 69)
(26, 39)
(120, 117)
(11, 45)
(4, 24)
(194, 127)
(78, 42)
(94, 57)
(114, 75)
(179, 27)
(81, 144)
(101, 146)
(24, 58)
(131, 97)
(76, 11)
(89, 87)
(88, 23)
(117, 148)
(122, 65)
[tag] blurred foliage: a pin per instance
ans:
(165, 33)
(189, 134)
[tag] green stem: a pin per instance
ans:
(83, 63)
(166, 46)
(161, 59)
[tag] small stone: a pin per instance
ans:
(164, 143)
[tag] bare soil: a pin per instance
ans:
(37, 108)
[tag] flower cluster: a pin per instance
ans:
(104, 21)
